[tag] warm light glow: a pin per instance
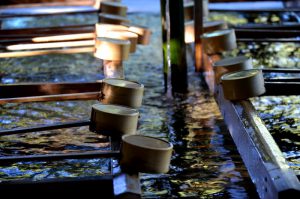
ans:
(189, 34)
(51, 45)
(137, 30)
(208, 26)
(143, 33)
(63, 37)
(117, 34)
(124, 35)
(112, 49)
(46, 52)
(102, 29)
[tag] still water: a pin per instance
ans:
(205, 162)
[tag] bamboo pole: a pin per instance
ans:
(52, 157)
(48, 98)
(174, 50)
(44, 128)
(49, 30)
(64, 37)
(35, 46)
(46, 52)
(47, 88)
(53, 38)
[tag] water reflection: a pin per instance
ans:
(239, 18)
(281, 115)
(205, 163)
(270, 54)
(55, 169)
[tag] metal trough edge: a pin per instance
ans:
(265, 163)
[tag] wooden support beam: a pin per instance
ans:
(49, 98)
(52, 38)
(55, 30)
(44, 128)
(49, 45)
(41, 89)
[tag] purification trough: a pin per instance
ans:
(267, 167)
(235, 82)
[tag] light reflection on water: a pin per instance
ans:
(270, 54)
(281, 115)
(55, 169)
(239, 18)
(205, 163)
